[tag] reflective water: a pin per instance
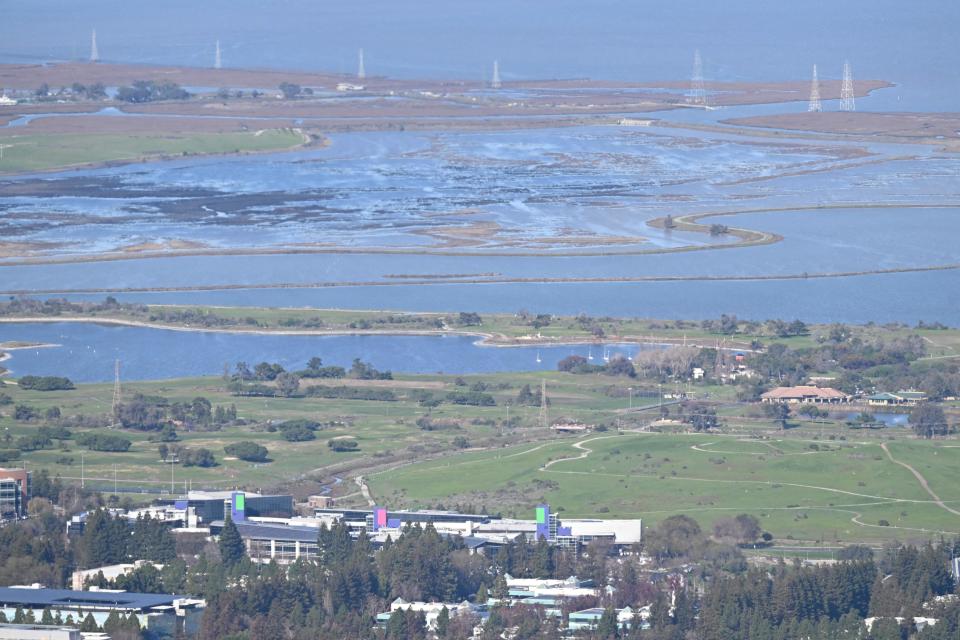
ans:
(86, 352)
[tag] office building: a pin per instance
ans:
(14, 493)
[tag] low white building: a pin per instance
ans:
(431, 610)
(37, 632)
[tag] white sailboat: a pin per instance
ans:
(538, 356)
(590, 353)
(606, 354)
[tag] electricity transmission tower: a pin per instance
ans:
(94, 53)
(361, 70)
(814, 93)
(116, 388)
(495, 81)
(698, 93)
(544, 417)
(847, 100)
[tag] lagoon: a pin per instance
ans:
(86, 352)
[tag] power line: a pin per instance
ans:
(698, 93)
(814, 93)
(848, 101)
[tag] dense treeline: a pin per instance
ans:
(339, 593)
(153, 413)
(107, 540)
(45, 383)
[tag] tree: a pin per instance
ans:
(104, 541)
(89, 625)
(231, 545)
(246, 450)
(290, 90)
(573, 364)
(675, 537)
(443, 623)
(928, 420)
(778, 412)
(469, 319)
(743, 529)
(607, 628)
(288, 384)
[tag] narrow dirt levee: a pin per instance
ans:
(920, 479)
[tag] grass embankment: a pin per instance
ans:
(838, 492)
(498, 329)
(46, 152)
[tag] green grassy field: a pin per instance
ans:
(818, 482)
(52, 151)
(383, 429)
(837, 492)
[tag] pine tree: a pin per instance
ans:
(443, 623)
(397, 625)
(47, 617)
(89, 625)
(231, 545)
(607, 628)
(113, 623)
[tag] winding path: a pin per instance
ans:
(920, 479)
(577, 445)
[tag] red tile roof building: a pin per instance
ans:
(819, 395)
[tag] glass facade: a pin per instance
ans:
(14, 493)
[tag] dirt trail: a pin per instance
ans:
(365, 490)
(920, 479)
(578, 445)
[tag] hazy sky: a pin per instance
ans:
(908, 42)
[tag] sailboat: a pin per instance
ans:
(606, 355)
(589, 353)
(538, 356)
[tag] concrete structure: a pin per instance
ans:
(430, 610)
(484, 533)
(163, 615)
(271, 541)
(804, 394)
(539, 591)
(918, 623)
(572, 427)
(900, 398)
(588, 618)
(37, 632)
(14, 493)
(111, 572)
(319, 502)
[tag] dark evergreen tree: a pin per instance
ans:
(231, 545)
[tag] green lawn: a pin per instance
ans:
(52, 151)
(813, 483)
(839, 491)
